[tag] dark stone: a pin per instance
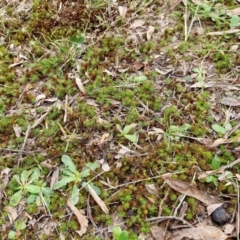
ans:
(220, 216)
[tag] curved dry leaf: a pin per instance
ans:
(218, 142)
(104, 138)
(199, 233)
(80, 85)
(55, 177)
(157, 232)
(40, 97)
(233, 12)
(229, 101)
(17, 130)
(213, 207)
(151, 189)
(98, 200)
(150, 32)
(191, 191)
(201, 85)
(5, 175)
(81, 218)
(229, 228)
(12, 213)
(122, 11)
(137, 23)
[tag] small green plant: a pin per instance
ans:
(18, 226)
(216, 13)
(29, 184)
(118, 234)
(222, 129)
(215, 164)
(76, 41)
(71, 174)
(174, 132)
(200, 74)
(126, 132)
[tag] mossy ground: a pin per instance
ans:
(109, 64)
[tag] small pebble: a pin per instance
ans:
(220, 216)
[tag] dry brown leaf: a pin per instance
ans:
(55, 177)
(47, 227)
(228, 228)
(125, 151)
(122, 11)
(17, 130)
(202, 84)
(137, 23)
(113, 74)
(150, 32)
(104, 138)
(229, 101)
(234, 48)
(189, 190)
(238, 176)
(102, 121)
(81, 218)
(233, 12)
(80, 85)
(218, 142)
(157, 232)
(137, 66)
(213, 207)
(200, 233)
(40, 97)
(12, 213)
(224, 175)
(151, 188)
(47, 164)
(105, 165)
(98, 200)
(92, 102)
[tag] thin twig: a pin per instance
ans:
(18, 150)
(238, 212)
(161, 219)
(89, 214)
(140, 180)
(42, 117)
(24, 143)
(192, 21)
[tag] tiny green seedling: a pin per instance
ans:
(175, 132)
(222, 129)
(29, 185)
(216, 164)
(216, 13)
(138, 79)
(200, 74)
(118, 234)
(18, 226)
(126, 132)
(76, 41)
(71, 174)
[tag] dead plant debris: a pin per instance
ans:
(127, 111)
